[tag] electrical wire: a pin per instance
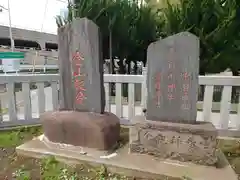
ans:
(44, 15)
(61, 1)
(45, 10)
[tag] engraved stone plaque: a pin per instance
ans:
(172, 78)
(86, 66)
(179, 141)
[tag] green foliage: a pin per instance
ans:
(51, 169)
(16, 137)
(216, 23)
(21, 174)
(134, 26)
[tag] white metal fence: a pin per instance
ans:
(23, 107)
(35, 67)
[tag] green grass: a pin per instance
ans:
(16, 137)
(51, 169)
(3, 111)
(23, 168)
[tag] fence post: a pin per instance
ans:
(144, 88)
(238, 110)
(1, 115)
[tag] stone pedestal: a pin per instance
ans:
(85, 129)
(183, 142)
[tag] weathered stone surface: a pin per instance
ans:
(172, 78)
(184, 142)
(65, 94)
(92, 130)
(81, 67)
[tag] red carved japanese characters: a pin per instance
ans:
(170, 97)
(78, 82)
(185, 76)
(158, 88)
(185, 89)
(171, 86)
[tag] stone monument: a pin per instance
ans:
(81, 120)
(160, 141)
(169, 129)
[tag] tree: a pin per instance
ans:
(127, 26)
(134, 28)
(216, 23)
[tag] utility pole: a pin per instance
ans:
(10, 24)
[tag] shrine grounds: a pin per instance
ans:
(17, 167)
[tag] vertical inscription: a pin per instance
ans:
(172, 78)
(171, 86)
(78, 78)
(158, 89)
(185, 89)
(81, 70)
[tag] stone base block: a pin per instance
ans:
(85, 129)
(196, 143)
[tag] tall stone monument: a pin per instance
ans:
(81, 67)
(81, 120)
(172, 79)
(169, 129)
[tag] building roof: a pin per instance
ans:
(30, 14)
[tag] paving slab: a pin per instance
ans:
(122, 162)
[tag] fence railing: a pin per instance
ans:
(22, 107)
(35, 67)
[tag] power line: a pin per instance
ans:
(62, 1)
(44, 15)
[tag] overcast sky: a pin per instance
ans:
(29, 14)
